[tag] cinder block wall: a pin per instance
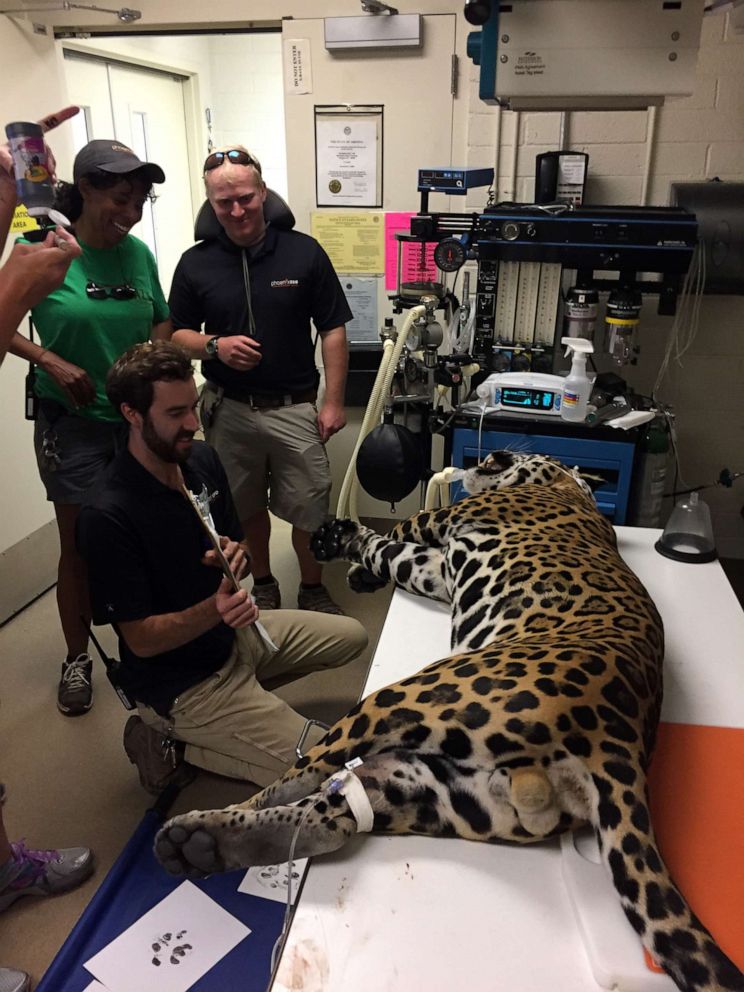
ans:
(696, 138)
(248, 104)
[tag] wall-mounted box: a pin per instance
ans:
(719, 208)
(372, 31)
(541, 55)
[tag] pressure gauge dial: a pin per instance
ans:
(416, 336)
(510, 230)
(450, 255)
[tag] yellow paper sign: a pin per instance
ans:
(22, 222)
(354, 239)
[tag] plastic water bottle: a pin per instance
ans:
(33, 181)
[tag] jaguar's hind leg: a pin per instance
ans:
(290, 788)
(413, 567)
(201, 843)
(408, 793)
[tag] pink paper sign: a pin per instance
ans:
(418, 259)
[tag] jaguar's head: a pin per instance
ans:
(514, 468)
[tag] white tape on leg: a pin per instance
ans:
(356, 796)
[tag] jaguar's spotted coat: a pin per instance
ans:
(543, 717)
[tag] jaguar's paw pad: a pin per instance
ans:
(329, 540)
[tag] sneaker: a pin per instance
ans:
(75, 693)
(157, 765)
(267, 596)
(43, 873)
(317, 599)
(12, 980)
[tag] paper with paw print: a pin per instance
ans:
(271, 882)
(171, 946)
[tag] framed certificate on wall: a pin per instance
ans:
(348, 155)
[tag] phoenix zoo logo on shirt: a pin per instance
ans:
(284, 283)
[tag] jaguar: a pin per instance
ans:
(542, 718)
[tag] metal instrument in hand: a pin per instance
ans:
(200, 504)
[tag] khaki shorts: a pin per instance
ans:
(232, 723)
(274, 458)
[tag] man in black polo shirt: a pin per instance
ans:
(255, 289)
(193, 655)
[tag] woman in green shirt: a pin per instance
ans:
(110, 300)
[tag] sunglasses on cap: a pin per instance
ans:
(234, 155)
(94, 291)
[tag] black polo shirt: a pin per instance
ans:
(143, 545)
(292, 282)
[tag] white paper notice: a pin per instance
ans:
(95, 987)
(298, 70)
(361, 295)
(171, 946)
(271, 882)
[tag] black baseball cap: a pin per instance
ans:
(112, 156)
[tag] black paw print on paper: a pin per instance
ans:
(161, 946)
(276, 877)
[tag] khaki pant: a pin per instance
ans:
(232, 723)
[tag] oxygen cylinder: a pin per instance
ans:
(649, 479)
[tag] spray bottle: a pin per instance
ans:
(577, 387)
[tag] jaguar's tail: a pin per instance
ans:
(656, 909)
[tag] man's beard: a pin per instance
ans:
(167, 451)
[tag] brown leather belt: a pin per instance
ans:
(266, 401)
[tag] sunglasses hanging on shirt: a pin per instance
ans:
(95, 291)
(123, 290)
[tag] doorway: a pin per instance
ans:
(144, 109)
(177, 96)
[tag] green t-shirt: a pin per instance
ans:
(94, 333)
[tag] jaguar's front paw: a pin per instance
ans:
(330, 539)
(360, 579)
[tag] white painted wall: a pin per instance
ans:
(247, 100)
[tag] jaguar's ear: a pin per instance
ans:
(594, 482)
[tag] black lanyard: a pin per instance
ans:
(31, 399)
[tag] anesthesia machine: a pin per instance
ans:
(529, 274)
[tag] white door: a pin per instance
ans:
(144, 109)
(414, 87)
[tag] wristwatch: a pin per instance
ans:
(210, 348)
